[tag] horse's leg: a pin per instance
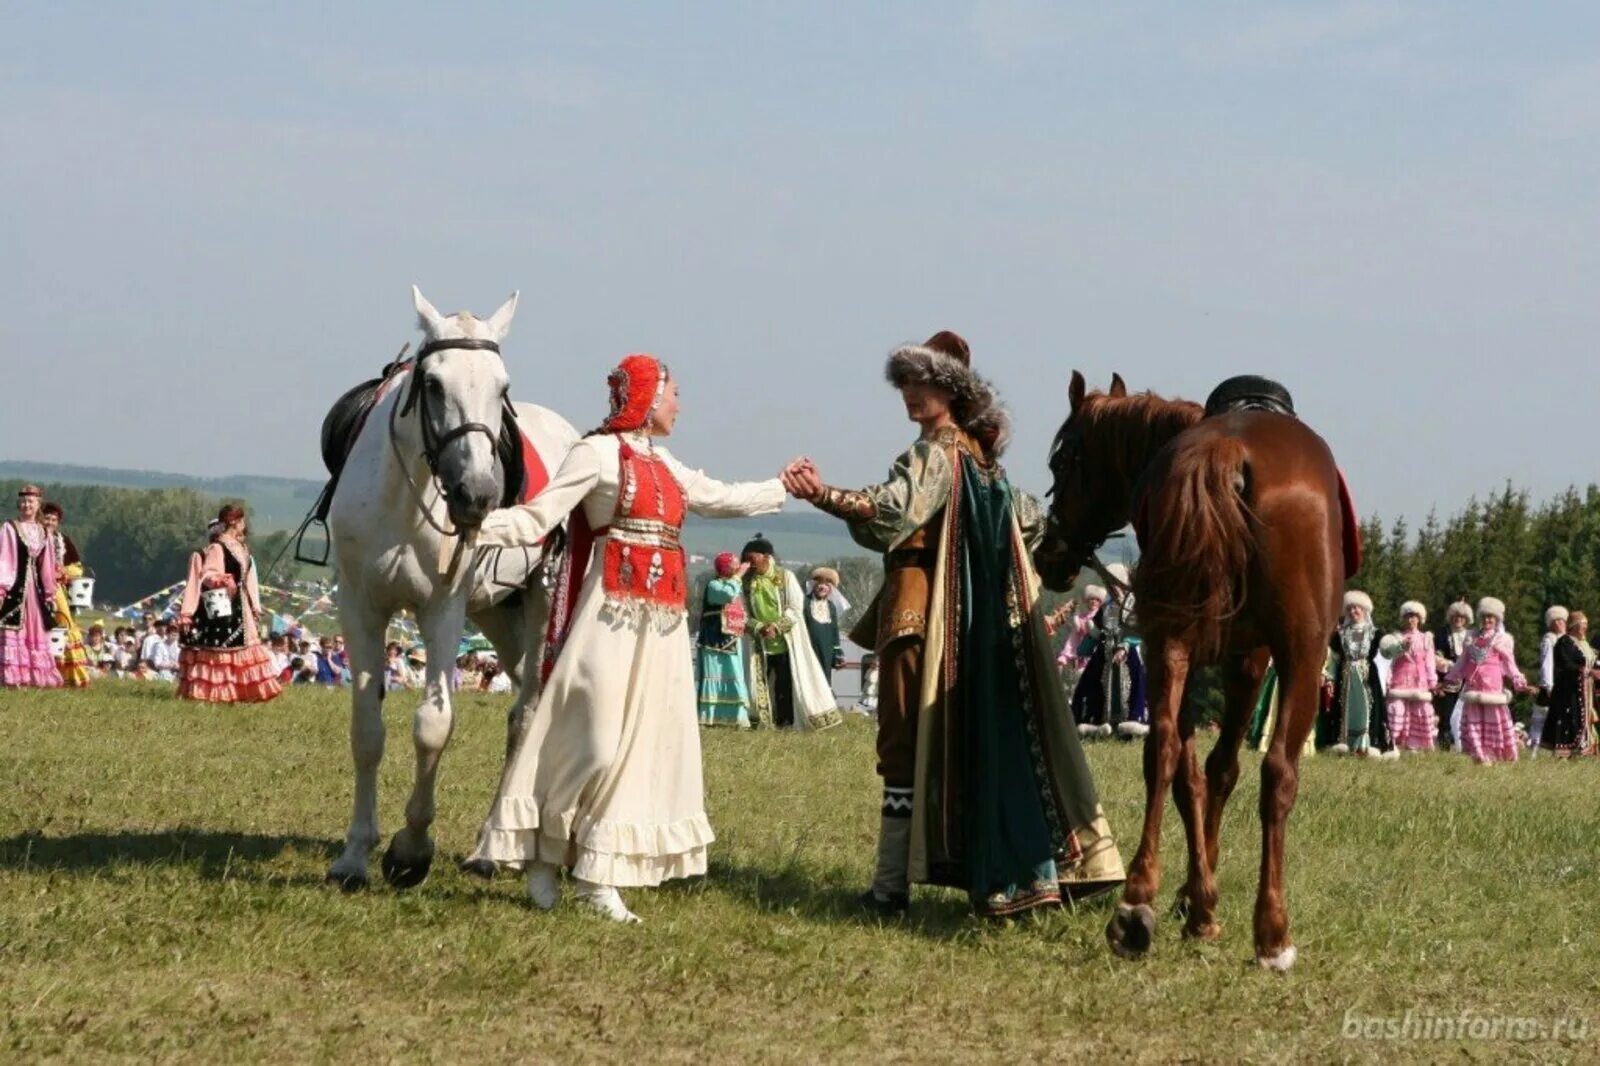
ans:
(1299, 681)
(363, 630)
(515, 630)
(1132, 927)
(529, 630)
(410, 853)
(1198, 896)
(1197, 901)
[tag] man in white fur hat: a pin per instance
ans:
(1110, 700)
(1080, 631)
(1448, 645)
(1357, 721)
(1555, 627)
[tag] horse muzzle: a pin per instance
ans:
(469, 505)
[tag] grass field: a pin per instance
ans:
(161, 897)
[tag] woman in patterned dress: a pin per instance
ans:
(27, 598)
(606, 781)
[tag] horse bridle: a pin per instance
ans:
(432, 443)
(1084, 553)
(417, 397)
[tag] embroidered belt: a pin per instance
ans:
(644, 532)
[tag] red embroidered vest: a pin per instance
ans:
(643, 556)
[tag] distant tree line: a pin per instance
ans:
(138, 540)
(1530, 557)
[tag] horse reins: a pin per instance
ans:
(432, 442)
(417, 396)
(1060, 453)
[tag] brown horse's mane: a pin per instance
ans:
(1133, 428)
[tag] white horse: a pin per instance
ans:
(421, 472)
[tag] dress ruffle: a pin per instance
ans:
(624, 854)
(228, 675)
(24, 666)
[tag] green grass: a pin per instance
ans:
(161, 897)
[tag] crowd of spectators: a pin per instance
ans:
(148, 651)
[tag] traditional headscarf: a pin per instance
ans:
(727, 563)
(637, 385)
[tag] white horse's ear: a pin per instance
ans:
(428, 316)
(500, 321)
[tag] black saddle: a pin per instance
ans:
(1249, 392)
(348, 415)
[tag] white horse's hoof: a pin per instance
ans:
(348, 881)
(1279, 963)
(405, 873)
(544, 885)
(605, 900)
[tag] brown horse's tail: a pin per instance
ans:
(1196, 535)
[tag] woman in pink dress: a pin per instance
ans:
(27, 598)
(223, 659)
(1411, 680)
(1488, 662)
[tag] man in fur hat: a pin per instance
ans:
(788, 687)
(1448, 645)
(1555, 627)
(1356, 722)
(985, 783)
(822, 620)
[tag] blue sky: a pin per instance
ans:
(214, 213)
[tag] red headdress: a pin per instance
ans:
(637, 385)
(727, 563)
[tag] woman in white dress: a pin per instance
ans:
(607, 778)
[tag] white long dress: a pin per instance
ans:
(607, 779)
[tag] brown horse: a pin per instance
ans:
(1241, 520)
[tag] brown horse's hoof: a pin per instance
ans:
(1202, 930)
(1279, 961)
(1131, 930)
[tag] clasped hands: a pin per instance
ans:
(801, 480)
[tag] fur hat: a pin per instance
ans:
(1555, 614)
(945, 361)
(1413, 607)
(1355, 598)
(826, 573)
(1459, 609)
(1490, 605)
(1094, 592)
